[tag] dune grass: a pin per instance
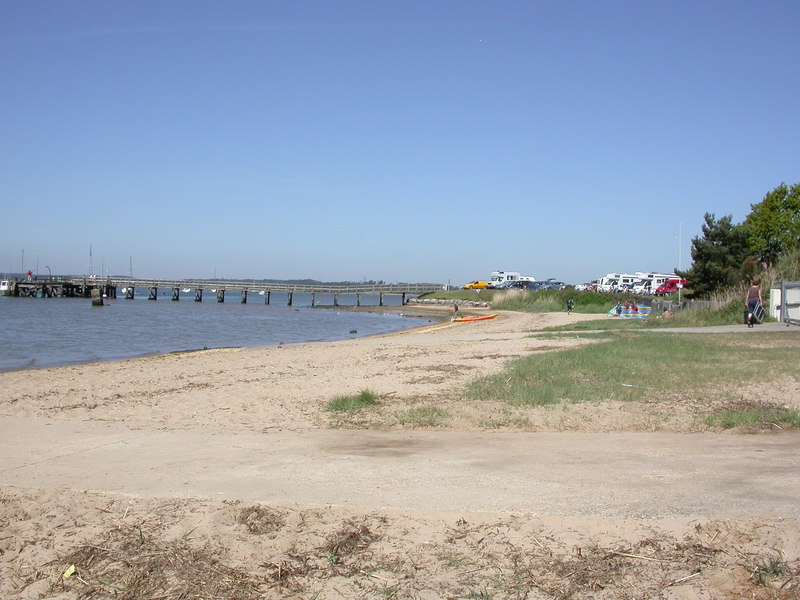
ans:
(555, 301)
(730, 313)
(726, 309)
(426, 416)
(353, 403)
(635, 366)
(780, 418)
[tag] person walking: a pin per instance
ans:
(753, 301)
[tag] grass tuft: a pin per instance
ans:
(769, 567)
(756, 417)
(353, 403)
(427, 416)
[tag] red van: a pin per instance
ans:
(671, 285)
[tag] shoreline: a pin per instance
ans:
(237, 448)
(33, 365)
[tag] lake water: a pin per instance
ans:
(47, 332)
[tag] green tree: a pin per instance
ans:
(773, 224)
(718, 256)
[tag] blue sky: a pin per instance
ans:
(403, 141)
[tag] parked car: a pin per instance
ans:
(475, 285)
(531, 286)
(670, 286)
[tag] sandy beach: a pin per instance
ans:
(220, 474)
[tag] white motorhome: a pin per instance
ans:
(652, 281)
(614, 281)
(639, 282)
(500, 277)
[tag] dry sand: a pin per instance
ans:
(219, 474)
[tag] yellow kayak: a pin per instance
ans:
(481, 318)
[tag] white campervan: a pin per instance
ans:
(614, 281)
(654, 280)
(639, 283)
(501, 277)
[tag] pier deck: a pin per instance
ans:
(110, 286)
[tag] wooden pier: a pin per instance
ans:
(82, 287)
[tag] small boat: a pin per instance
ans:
(479, 318)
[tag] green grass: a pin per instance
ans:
(729, 314)
(555, 301)
(485, 295)
(635, 366)
(601, 325)
(354, 403)
(769, 568)
(504, 419)
(541, 301)
(427, 416)
(755, 417)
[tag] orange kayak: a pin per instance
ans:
(481, 318)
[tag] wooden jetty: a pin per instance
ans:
(107, 287)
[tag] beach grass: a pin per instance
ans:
(638, 366)
(777, 417)
(726, 309)
(426, 416)
(554, 301)
(768, 568)
(353, 403)
(730, 313)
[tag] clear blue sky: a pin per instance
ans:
(403, 141)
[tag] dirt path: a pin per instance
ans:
(605, 475)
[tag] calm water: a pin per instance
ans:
(46, 332)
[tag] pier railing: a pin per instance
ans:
(260, 286)
(98, 287)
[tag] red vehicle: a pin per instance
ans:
(670, 286)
